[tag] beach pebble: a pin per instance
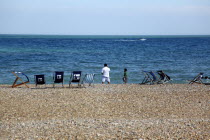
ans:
(174, 111)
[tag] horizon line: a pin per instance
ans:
(109, 34)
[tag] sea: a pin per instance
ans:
(180, 57)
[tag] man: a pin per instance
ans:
(105, 72)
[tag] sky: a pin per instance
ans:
(105, 17)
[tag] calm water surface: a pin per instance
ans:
(181, 57)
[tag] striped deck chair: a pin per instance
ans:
(88, 80)
(150, 78)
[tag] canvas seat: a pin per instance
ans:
(88, 80)
(19, 76)
(58, 77)
(197, 79)
(75, 78)
(39, 80)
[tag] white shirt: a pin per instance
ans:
(105, 71)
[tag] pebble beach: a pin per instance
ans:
(115, 111)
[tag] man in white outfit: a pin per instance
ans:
(105, 72)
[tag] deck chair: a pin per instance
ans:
(206, 80)
(18, 75)
(197, 79)
(150, 78)
(39, 80)
(164, 78)
(75, 78)
(88, 80)
(58, 77)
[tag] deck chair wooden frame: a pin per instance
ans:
(88, 80)
(18, 78)
(197, 79)
(75, 78)
(58, 77)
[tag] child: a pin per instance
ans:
(125, 76)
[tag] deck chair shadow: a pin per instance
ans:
(88, 80)
(197, 79)
(58, 77)
(164, 78)
(18, 75)
(149, 78)
(39, 80)
(75, 78)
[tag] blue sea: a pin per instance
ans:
(181, 57)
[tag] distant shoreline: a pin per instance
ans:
(75, 85)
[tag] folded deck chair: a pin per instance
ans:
(88, 79)
(197, 79)
(75, 78)
(164, 78)
(150, 78)
(18, 75)
(58, 77)
(39, 80)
